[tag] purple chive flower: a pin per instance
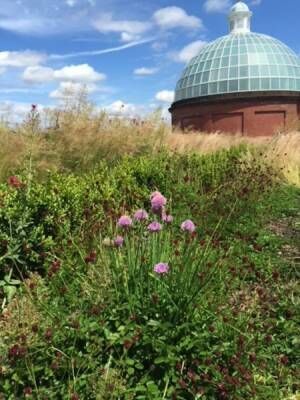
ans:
(188, 226)
(158, 201)
(119, 241)
(125, 222)
(141, 215)
(154, 194)
(168, 219)
(161, 268)
(154, 227)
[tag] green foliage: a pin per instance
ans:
(101, 324)
(36, 216)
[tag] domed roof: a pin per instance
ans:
(240, 62)
(240, 7)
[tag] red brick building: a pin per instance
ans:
(244, 82)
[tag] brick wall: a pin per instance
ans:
(253, 117)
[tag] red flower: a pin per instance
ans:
(14, 182)
(48, 334)
(91, 258)
(182, 384)
(55, 267)
(28, 391)
(284, 360)
(128, 344)
(16, 352)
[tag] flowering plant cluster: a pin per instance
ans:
(141, 216)
(153, 260)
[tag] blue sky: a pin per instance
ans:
(128, 52)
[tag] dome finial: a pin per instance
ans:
(239, 18)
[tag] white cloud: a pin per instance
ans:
(20, 59)
(188, 52)
(68, 89)
(143, 71)
(120, 108)
(82, 73)
(128, 29)
(25, 25)
(15, 112)
(166, 96)
(176, 17)
(133, 30)
(217, 5)
(159, 46)
(79, 73)
(71, 3)
(256, 2)
(38, 74)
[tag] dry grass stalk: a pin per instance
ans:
(77, 136)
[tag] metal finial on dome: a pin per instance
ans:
(239, 18)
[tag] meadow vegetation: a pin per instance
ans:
(136, 263)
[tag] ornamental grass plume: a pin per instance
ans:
(154, 227)
(161, 268)
(125, 222)
(188, 226)
(141, 215)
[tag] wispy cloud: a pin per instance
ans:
(217, 5)
(144, 71)
(163, 19)
(130, 30)
(102, 51)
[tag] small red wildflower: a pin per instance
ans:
(27, 391)
(14, 182)
(128, 344)
(182, 384)
(55, 267)
(284, 360)
(48, 334)
(54, 366)
(91, 258)
(16, 352)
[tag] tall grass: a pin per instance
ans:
(76, 136)
(281, 151)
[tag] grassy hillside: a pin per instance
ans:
(136, 264)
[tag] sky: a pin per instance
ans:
(128, 54)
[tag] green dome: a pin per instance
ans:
(243, 62)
